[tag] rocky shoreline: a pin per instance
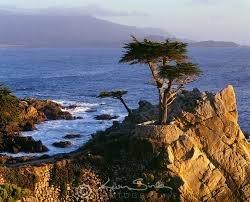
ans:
(30, 112)
(202, 155)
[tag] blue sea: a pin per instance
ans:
(76, 76)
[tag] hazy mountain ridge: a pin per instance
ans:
(33, 30)
(66, 31)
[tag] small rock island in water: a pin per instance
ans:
(189, 147)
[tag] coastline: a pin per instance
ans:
(50, 131)
(152, 153)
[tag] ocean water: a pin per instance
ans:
(76, 76)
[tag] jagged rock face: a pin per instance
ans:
(206, 149)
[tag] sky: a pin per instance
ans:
(227, 20)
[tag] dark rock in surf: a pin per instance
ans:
(105, 117)
(72, 136)
(62, 144)
(71, 107)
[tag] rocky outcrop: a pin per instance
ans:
(202, 155)
(36, 111)
(205, 147)
(29, 112)
(16, 144)
(50, 109)
(33, 111)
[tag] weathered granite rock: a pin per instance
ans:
(206, 149)
(51, 110)
(30, 116)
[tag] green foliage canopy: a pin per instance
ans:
(181, 73)
(114, 94)
(147, 51)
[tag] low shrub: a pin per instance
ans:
(9, 193)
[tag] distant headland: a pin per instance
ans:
(214, 44)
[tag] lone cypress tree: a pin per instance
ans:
(116, 95)
(168, 63)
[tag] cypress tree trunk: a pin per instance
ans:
(159, 83)
(164, 114)
(165, 99)
(160, 105)
(127, 108)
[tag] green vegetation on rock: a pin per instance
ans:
(9, 193)
(9, 110)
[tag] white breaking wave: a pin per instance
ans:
(75, 107)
